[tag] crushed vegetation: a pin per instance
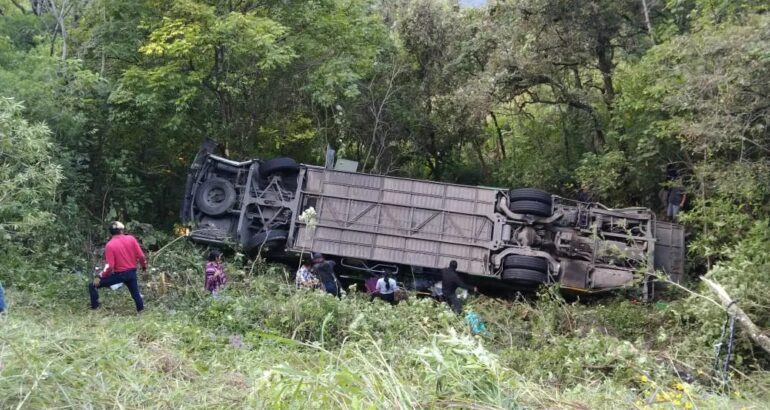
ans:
(263, 344)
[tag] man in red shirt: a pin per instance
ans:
(122, 252)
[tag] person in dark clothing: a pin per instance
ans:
(450, 281)
(584, 194)
(324, 271)
(676, 198)
(671, 172)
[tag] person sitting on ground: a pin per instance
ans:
(450, 281)
(304, 278)
(215, 273)
(122, 253)
(386, 289)
(324, 270)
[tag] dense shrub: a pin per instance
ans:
(282, 348)
(316, 317)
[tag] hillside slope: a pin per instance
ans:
(264, 345)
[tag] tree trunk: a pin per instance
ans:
(605, 54)
(37, 6)
(564, 135)
(477, 146)
(63, 29)
(647, 20)
(500, 142)
(53, 39)
(59, 14)
(741, 317)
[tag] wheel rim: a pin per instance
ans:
(215, 196)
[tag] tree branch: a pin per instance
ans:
(19, 6)
(743, 319)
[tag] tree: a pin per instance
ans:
(29, 173)
(707, 93)
(200, 58)
(434, 115)
(557, 52)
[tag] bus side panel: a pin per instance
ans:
(398, 220)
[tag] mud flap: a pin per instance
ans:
(574, 274)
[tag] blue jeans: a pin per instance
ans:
(672, 211)
(128, 278)
(2, 299)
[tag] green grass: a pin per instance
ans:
(265, 345)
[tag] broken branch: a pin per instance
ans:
(743, 319)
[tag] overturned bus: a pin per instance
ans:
(519, 238)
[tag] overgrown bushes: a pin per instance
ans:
(316, 317)
(283, 348)
(263, 344)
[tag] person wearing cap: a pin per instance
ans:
(122, 253)
(324, 270)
